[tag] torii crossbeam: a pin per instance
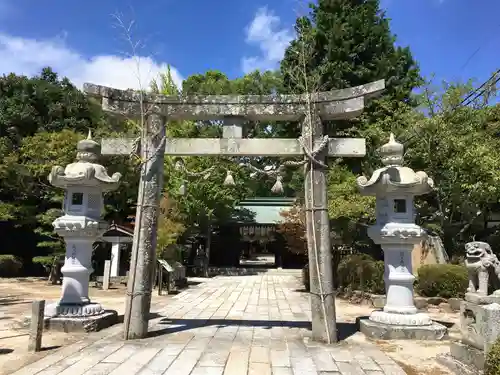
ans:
(234, 110)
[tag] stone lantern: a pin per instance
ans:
(395, 187)
(84, 182)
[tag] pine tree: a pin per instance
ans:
(346, 43)
(341, 44)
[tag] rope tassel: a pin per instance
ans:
(278, 185)
(182, 189)
(229, 181)
(179, 165)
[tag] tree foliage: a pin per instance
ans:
(255, 83)
(347, 43)
(41, 120)
(459, 147)
(293, 229)
(170, 227)
(339, 44)
(205, 197)
(342, 44)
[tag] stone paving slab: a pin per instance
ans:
(236, 325)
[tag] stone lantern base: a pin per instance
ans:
(85, 317)
(377, 330)
(73, 310)
(89, 317)
(82, 323)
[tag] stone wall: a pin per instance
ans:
(422, 254)
(449, 305)
(427, 252)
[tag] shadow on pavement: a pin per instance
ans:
(12, 300)
(152, 315)
(47, 348)
(344, 329)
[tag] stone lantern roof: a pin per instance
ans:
(394, 178)
(85, 171)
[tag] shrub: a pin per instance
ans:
(492, 363)
(361, 272)
(173, 252)
(44, 261)
(442, 280)
(10, 265)
(293, 229)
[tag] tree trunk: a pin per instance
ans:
(207, 249)
(324, 327)
(143, 258)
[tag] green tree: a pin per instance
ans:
(170, 227)
(349, 211)
(458, 146)
(254, 83)
(41, 120)
(345, 43)
(205, 198)
(44, 103)
(341, 44)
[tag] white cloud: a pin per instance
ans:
(267, 32)
(29, 56)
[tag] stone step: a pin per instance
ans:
(241, 271)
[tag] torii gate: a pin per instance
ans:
(309, 109)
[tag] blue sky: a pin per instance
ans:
(81, 40)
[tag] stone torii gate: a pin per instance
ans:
(309, 109)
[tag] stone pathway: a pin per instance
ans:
(241, 325)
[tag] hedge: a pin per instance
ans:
(361, 272)
(442, 280)
(492, 363)
(10, 265)
(45, 261)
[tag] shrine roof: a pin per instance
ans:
(263, 210)
(116, 230)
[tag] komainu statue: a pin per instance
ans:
(480, 261)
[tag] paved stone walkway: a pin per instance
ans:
(241, 325)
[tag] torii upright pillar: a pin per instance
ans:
(309, 109)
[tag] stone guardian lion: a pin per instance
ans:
(479, 261)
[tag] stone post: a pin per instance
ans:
(84, 182)
(36, 326)
(395, 187)
(115, 258)
(107, 275)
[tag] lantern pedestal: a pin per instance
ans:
(75, 311)
(79, 235)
